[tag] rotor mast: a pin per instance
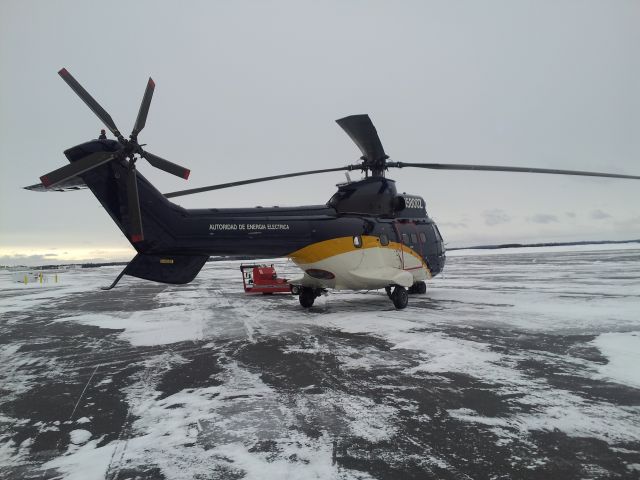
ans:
(378, 167)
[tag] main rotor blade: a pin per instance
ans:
(496, 168)
(144, 108)
(166, 165)
(133, 200)
(76, 168)
(256, 180)
(90, 101)
(361, 130)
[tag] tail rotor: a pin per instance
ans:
(130, 151)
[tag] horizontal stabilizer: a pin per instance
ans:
(175, 269)
(74, 183)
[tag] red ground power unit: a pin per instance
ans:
(263, 279)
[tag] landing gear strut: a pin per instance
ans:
(399, 297)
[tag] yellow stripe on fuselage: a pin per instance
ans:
(319, 251)
(329, 248)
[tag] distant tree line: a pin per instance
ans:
(548, 244)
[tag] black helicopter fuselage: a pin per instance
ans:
(177, 241)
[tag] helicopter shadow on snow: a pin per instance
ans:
(374, 301)
(367, 301)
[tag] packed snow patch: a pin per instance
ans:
(79, 436)
(145, 328)
(623, 352)
(85, 463)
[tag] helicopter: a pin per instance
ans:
(367, 236)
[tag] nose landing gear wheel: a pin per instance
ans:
(418, 287)
(307, 297)
(400, 297)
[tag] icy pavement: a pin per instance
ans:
(513, 365)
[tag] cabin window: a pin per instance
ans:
(414, 239)
(357, 241)
(405, 239)
(423, 237)
(384, 240)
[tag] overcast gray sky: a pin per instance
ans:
(252, 88)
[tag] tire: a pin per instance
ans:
(400, 297)
(418, 288)
(307, 297)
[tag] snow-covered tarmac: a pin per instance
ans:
(518, 364)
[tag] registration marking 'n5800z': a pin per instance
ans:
(413, 202)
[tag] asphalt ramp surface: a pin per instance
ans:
(511, 366)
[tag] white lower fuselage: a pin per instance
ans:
(338, 264)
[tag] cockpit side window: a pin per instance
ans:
(435, 229)
(439, 242)
(384, 240)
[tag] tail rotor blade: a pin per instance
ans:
(135, 219)
(144, 108)
(90, 101)
(166, 165)
(76, 168)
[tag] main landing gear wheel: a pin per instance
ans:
(418, 287)
(400, 297)
(307, 297)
